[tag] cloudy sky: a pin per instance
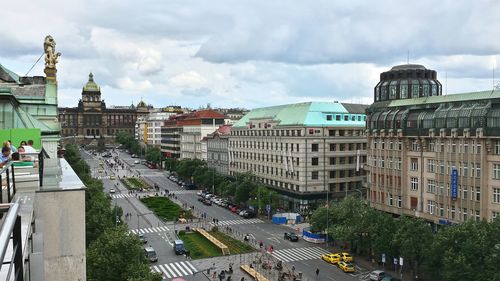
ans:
(249, 53)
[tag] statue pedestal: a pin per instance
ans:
(50, 73)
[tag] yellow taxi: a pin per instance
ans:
(346, 266)
(346, 257)
(100, 171)
(331, 258)
(112, 177)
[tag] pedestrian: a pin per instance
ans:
(317, 272)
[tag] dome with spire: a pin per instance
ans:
(91, 86)
(142, 104)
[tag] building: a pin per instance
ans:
(43, 205)
(170, 136)
(232, 115)
(155, 121)
(93, 120)
(304, 151)
(218, 149)
(195, 126)
(432, 156)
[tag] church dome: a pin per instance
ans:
(91, 86)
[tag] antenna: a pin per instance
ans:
(408, 57)
(34, 64)
(493, 77)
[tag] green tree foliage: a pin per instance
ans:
(109, 246)
(117, 255)
(153, 155)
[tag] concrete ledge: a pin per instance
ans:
(253, 273)
(217, 243)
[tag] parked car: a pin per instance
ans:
(133, 156)
(190, 186)
(207, 202)
(201, 199)
(112, 190)
(346, 266)
(199, 193)
(377, 275)
(112, 177)
(179, 247)
(291, 236)
(235, 209)
(331, 258)
(248, 214)
(137, 162)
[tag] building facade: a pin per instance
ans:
(93, 120)
(218, 150)
(432, 156)
(304, 151)
(196, 126)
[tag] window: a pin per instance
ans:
(478, 170)
(333, 147)
(478, 194)
(497, 147)
(400, 202)
(314, 161)
(414, 164)
(431, 205)
(414, 145)
(314, 147)
(496, 171)
(314, 175)
(496, 195)
(332, 160)
(431, 166)
(337, 117)
(478, 215)
(390, 203)
(441, 210)
(414, 184)
(346, 117)
(494, 215)
(332, 174)
(431, 186)
(329, 117)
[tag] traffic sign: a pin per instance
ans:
(383, 258)
(395, 260)
(268, 208)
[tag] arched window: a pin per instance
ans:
(93, 132)
(97, 132)
(88, 132)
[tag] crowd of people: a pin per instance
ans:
(12, 153)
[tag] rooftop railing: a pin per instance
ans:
(7, 182)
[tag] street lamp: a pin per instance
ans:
(140, 215)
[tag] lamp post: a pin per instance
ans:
(140, 215)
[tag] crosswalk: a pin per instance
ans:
(233, 222)
(116, 196)
(175, 269)
(177, 192)
(298, 254)
(150, 230)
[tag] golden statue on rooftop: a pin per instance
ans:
(51, 57)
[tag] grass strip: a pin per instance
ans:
(235, 246)
(166, 209)
(198, 246)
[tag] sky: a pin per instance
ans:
(253, 53)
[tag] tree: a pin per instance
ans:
(116, 249)
(154, 155)
(413, 248)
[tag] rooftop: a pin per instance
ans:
(307, 114)
(408, 66)
(472, 96)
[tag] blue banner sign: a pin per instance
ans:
(454, 175)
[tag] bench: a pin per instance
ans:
(253, 273)
(217, 243)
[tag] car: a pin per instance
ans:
(377, 275)
(100, 171)
(137, 162)
(142, 238)
(133, 156)
(207, 202)
(390, 278)
(331, 258)
(291, 236)
(346, 257)
(346, 266)
(112, 190)
(248, 214)
(112, 177)
(150, 254)
(235, 209)
(199, 193)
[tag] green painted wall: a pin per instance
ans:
(18, 135)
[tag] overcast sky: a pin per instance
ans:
(249, 53)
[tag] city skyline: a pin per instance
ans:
(191, 53)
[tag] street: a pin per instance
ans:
(304, 256)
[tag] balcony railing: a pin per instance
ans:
(11, 230)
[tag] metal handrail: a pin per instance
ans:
(7, 226)
(11, 229)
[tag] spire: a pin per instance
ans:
(91, 77)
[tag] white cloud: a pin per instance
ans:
(128, 84)
(188, 79)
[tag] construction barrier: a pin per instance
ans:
(217, 243)
(252, 272)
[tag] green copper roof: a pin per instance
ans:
(91, 86)
(305, 114)
(448, 98)
(10, 73)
